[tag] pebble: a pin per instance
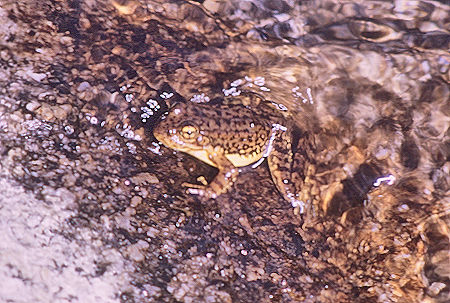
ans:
(83, 86)
(32, 106)
(65, 40)
(18, 171)
(135, 201)
(436, 288)
(36, 76)
(46, 112)
(144, 178)
(62, 111)
(49, 112)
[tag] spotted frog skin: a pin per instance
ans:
(229, 137)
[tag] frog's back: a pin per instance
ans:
(238, 130)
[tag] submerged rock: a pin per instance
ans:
(102, 205)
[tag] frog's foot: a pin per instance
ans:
(221, 183)
(298, 205)
(201, 190)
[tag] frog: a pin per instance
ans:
(231, 136)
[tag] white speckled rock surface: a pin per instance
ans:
(38, 263)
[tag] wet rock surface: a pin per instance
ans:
(92, 207)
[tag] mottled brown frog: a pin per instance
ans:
(230, 136)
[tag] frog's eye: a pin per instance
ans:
(189, 131)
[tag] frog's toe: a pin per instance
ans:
(199, 190)
(195, 191)
(193, 186)
(300, 205)
(202, 192)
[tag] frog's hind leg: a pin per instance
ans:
(222, 182)
(282, 168)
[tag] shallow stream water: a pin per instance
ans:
(93, 207)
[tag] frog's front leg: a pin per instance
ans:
(280, 161)
(222, 182)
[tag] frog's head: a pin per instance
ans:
(180, 130)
